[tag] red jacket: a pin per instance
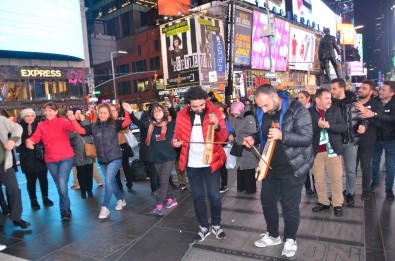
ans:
(55, 136)
(183, 132)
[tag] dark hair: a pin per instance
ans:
(306, 94)
(371, 84)
(391, 84)
(195, 93)
(224, 106)
(51, 105)
(163, 108)
(340, 81)
(177, 38)
(108, 107)
(265, 89)
(319, 92)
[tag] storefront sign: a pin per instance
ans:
(37, 73)
(260, 58)
(302, 47)
(242, 39)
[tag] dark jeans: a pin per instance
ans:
(166, 191)
(8, 179)
(288, 189)
(364, 157)
(307, 183)
(224, 176)
(153, 175)
(127, 171)
(389, 148)
(246, 180)
(31, 179)
(85, 178)
(200, 180)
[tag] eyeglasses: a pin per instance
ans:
(158, 111)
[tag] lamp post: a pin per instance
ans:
(113, 73)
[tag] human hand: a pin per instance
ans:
(366, 114)
(248, 141)
(9, 145)
(29, 144)
(214, 119)
(274, 134)
(231, 138)
(177, 143)
(127, 107)
(361, 129)
(323, 124)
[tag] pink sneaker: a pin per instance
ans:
(171, 203)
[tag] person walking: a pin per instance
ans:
(291, 161)
(32, 161)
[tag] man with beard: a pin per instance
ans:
(190, 134)
(328, 125)
(368, 139)
(291, 162)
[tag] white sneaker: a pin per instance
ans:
(290, 248)
(120, 204)
(267, 240)
(2, 247)
(104, 212)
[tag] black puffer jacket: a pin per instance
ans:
(369, 138)
(105, 137)
(386, 131)
(351, 116)
(29, 158)
(297, 134)
(337, 126)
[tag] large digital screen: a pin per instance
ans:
(42, 26)
(302, 48)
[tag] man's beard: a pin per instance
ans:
(363, 96)
(275, 109)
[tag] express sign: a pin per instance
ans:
(40, 73)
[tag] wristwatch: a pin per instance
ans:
(375, 114)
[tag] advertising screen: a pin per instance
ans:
(260, 58)
(180, 53)
(242, 42)
(301, 49)
(303, 8)
(42, 26)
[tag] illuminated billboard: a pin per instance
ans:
(242, 38)
(42, 26)
(301, 49)
(260, 58)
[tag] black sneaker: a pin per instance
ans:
(218, 232)
(35, 205)
(389, 194)
(338, 211)
(310, 192)
(202, 234)
(65, 215)
(373, 187)
(320, 207)
(223, 189)
(365, 195)
(350, 200)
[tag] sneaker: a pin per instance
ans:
(104, 212)
(100, 184)
(389, 194)
(202, 234)
(267, 240)
(218, 232)
(75, 187)
(310, 192)
(171, 203)
(290, 248)
(373, 187)
(158, 210)
(223, 189)
(350, 200)
(365, 195)
(65, 215)
(2, 247)
(120, 204)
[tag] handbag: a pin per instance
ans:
(131, 139)
(90, 149)
(237, 149)
(231, 161)
(126, 150)
(39, 150)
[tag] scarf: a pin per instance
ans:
(152, 125)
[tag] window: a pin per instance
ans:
(156, 45)
(124, 88)
(139, 66)
(154, 63)
(139, 49)
(140, 85)
(122, 69)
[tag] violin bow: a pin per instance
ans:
(259, 155)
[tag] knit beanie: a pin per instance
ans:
(26, 111)
(237, 108)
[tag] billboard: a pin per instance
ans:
(174, 7)
(242, 38)
(303, 8)
(36, 26)
(302, 49)
(260, 58)
(211, 49)
(179, 52)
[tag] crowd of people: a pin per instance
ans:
(316, 135)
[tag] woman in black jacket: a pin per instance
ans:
(32, 161)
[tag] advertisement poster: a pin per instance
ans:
(260, 58)
(211, 50)
(242, 42)
(180, 53)
(303, 8)
(301, 49)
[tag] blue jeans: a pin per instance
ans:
(389, 148)
(60, 172)
(350, 164)
(200, 180)
(110, 171)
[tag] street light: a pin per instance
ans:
(113, 73)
